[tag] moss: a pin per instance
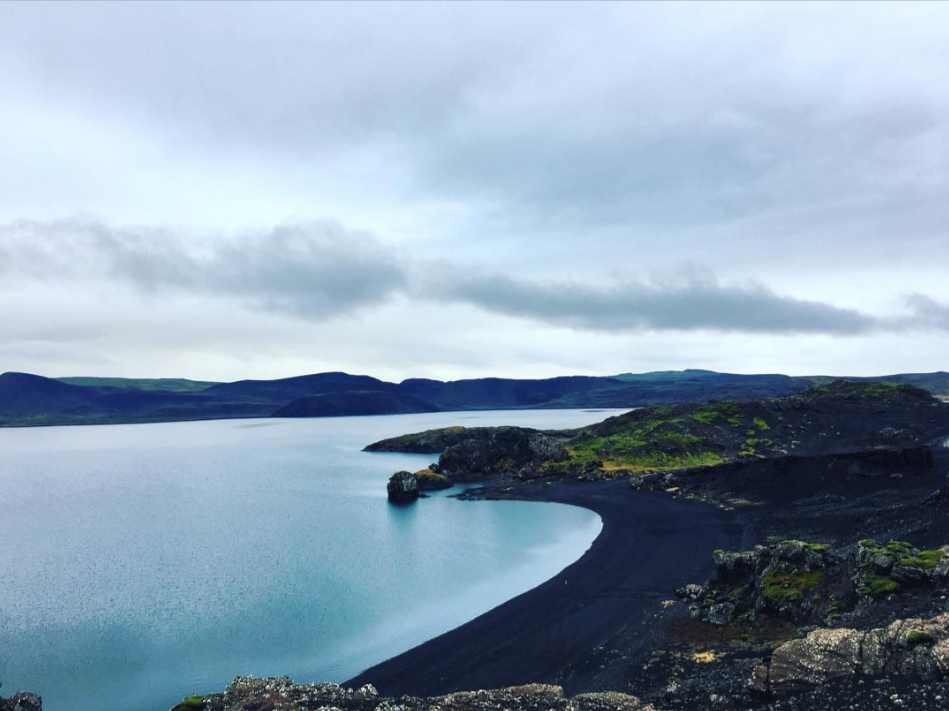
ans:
(924, 560)
(788, 584)
(899, 547)
(761, 424)
(880, 585)
(190, 702)
(819, 547)
(870, 543)
(706, 417)
(915, 637)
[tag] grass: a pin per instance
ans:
(787, 584)
(176, 385)
(924, 560)
(880, 585)
(916, 637)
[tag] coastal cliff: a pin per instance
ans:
(838, 418)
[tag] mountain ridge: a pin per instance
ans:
(28, 400)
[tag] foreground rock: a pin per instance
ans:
(21, 701)
(250, 694)
(914, 649)
(815, 584)
(403, 487)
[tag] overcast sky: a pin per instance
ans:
(230, 190)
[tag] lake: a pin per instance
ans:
(141, 563)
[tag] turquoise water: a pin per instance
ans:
(141, 563)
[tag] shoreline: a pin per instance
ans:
(650, 544)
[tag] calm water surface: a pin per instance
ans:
(140, 563)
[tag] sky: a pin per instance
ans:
(449, 190)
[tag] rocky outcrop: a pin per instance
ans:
(891, 422)
(429, 480)
(250, 694)
(913, 649)
(477, 452)
(402, 487)
(506, 451)
(812, 583)
(21, 701)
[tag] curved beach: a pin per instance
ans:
(566, 630)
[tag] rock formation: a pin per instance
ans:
(402, 487)
(914, 649)
(250, 694)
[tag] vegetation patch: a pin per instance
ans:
(880, 585)
(916, 637)
(788, 584)
(761, 424)
(189, 703)
(924, 560)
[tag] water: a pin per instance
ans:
(141, 563)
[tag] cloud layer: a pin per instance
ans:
(321, 270)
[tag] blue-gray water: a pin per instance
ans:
(140, 563)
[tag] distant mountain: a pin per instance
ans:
(284, 390)
(23, 395)
(354, 403)
(34, 400)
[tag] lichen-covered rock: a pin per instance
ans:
(429, 480)
(403, 487)
(250, 694)
(913, 648)
(814, 584)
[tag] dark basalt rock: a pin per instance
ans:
(814, 584)
(247, 694)
(403, 487)
(914, 649)
(430, 480)
(21, 701)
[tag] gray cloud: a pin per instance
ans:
(319, 270)
(693, 304)
(314, 270)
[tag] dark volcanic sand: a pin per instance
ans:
(651, 543)
(601, 624)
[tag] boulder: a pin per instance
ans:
(403, 487)
(911, 649)
(429, 480)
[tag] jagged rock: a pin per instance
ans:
(722, 613)
(250, 694)
(912, 648)
(403, 487)
(22, 701)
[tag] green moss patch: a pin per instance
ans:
(924, 560)
(880, 585)
(190, 703)
(916, 637)
(788, 584)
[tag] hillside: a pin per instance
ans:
(840, 417)
(35, 400)
(177, 385)
(354, 403)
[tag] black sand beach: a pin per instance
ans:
(651, 543)
(602, 622)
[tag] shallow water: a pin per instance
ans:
(141, 563)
